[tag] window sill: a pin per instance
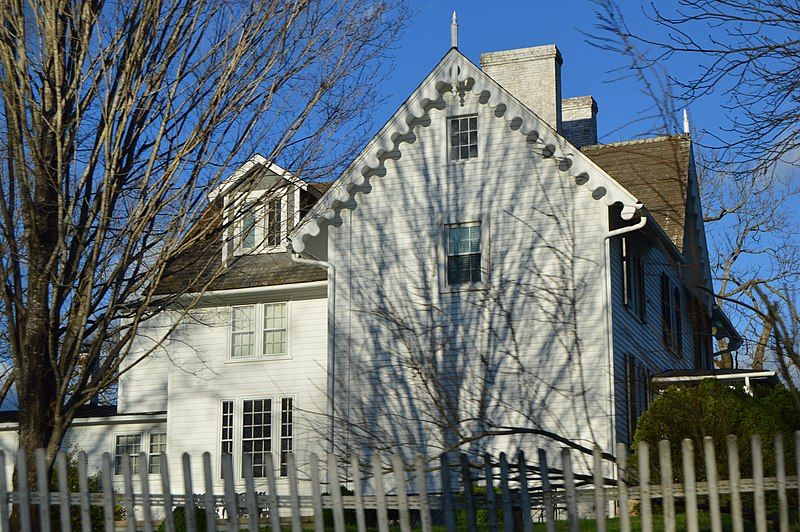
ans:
(260, 358)
(474, 287)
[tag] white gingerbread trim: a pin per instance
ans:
(456, 73)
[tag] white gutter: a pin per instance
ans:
(609, 324)
(254, 290)
(331, 333)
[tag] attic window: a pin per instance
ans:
(463, 137)
(259, 224)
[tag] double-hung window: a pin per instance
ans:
(271, 338)
(463, 137)
(261, 423)
(633, 287)
(464, 253)
(129, 445)
(158, 445)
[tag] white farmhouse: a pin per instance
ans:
(483, 275)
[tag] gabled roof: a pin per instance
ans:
(255, 165)
(456, 71)
(656, 171)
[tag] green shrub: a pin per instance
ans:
(481, 514)
(179, 516)
(95, 482)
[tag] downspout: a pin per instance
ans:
(612, 396)
(296, 257)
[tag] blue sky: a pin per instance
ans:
(502, 25)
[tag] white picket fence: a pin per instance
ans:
(522, 493)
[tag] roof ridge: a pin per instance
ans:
(638, 141)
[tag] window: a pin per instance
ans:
(275, 329)
(158, 445)
(270, 339)
(243, 334)
(287, 432)
(129, 445)
(671, 315)
(633, 289)
(257, 433)
(274, 227)
(464, 253)
(227, 430)
(637, 378)
(463, 138)
(247, 235)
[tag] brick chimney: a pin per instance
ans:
(579, 120)
(532, 75)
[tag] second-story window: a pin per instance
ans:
(671, 315)
(463, 137)
(464, 253)
(270, 339)
(633, 288)
(274, 219)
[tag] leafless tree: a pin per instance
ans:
(118, 118)
(747, 51)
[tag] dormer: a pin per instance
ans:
(262, 203)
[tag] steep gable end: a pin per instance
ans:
(456, 72)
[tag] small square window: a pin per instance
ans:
(463, 138)
(464, 253)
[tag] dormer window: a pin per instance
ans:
(261, 226)
(463, 137)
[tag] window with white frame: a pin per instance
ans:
(127, 445)
(271, 339)
(463, 137)
(158, 445)
(261, 424)
(259, 224)
(464, 253)
(257, 433)
(287, 432)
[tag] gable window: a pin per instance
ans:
(259, 223)
(464, 253)
(129, 445)
(671, 315)
(271, 339)
(274, 225)
(247, 228)
(158, 445)
(463, 137)
(633, 288)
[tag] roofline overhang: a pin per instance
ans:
(255, 160)
(222, 296)
(455, 71)
(116, 419)
(717, 376)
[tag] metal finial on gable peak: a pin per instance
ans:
(686, 128)
(454, 31)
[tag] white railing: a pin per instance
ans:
(522, 493)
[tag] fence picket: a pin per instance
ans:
(689, 485)
(147, 516)
(547, 493)
(402, 494)
(83, 489)
(569, 488)
(645, 503)
(208, 497)
(491, 499)
(422, 491)
(466, 478)
(127, 475)
(316, 495)
(63, 492)
(4, 516)
(166, 491)
(380, 494)
(250, 492)
(272, 496)
(622, 487)
(525, 496)
(336, 493)
(361, 522)
(43, 489)
(713, 488)
(447, 495)
(599, 491)
(108, 493)
(758, 480)
(733, 475)
(189, 507)
(294, 498)
(780, 473)
(505, 494)
(667, 484)
(797, 466)
(231, 505)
